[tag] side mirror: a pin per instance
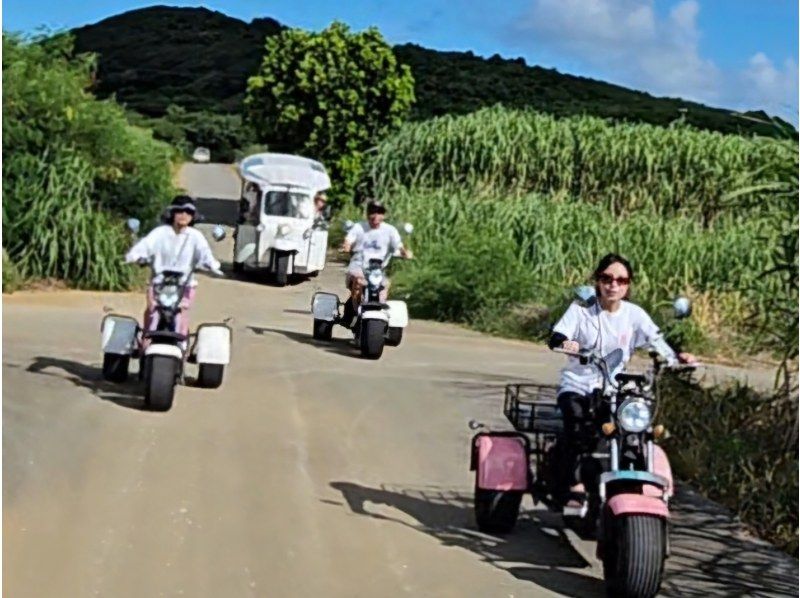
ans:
(408, 227)
(682, 307)
(218, 233)
(133, 225)
(585, 294)
(348, 224)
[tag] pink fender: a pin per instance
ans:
(502, 463)
(660, 467)
(637, 504)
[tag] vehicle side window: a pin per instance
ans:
(249, 204)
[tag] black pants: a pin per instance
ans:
(578, 436)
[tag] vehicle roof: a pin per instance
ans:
(285, 169)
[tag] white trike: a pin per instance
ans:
(163, 350)
(376, 323)
(278, 228)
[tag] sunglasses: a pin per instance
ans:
(609, 279)
(183, 211)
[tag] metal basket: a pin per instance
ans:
(532, 408)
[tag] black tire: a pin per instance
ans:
(143, 368)
(115, 367)
(633, 558)
(372, 338)
(238, 268)
(496, 511)
(159, 385)
(282, 268)
(394, 335)
(210, 375)
(323, 330)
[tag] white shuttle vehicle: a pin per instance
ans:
(279, 228)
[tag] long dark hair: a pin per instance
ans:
(605, 262)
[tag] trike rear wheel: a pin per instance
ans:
(496, 511)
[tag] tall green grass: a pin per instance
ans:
(701, 213)
(624, 167)
(479, 256)
(57, 231)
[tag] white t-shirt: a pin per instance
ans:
(372, 243)
(628, 328)
(182, 251)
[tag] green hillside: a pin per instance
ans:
(200, 59)
(193, 57)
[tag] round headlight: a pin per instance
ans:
(168, 296)
(284, 229)
(634, 416)
(375, 278)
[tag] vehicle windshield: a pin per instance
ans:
(287, 203)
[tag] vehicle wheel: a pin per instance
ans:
(633, 557)
(238, 268)
(282, 268)
(394, 336)
(372, 339)
(160, 377)
(210, 375)
(143, 368)
(313, 274)
(496, 511)
(323, 330)
(115, 367)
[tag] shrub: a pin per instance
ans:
(74, 168)
(739, 447)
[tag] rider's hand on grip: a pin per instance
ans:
(571, 346)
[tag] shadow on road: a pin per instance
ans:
(712, 556)
(260, 276)
(127, 394)
(536, 551)
(339, 346)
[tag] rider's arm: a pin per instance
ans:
(203, 255)
(351, 238)
(397, 243)
(647, 334)
(144, 248)
(566, 329)
(556, 340)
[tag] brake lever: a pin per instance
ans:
(581, 356)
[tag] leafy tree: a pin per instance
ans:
(330, 95)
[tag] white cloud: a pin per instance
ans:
(627, 42)
(765, 85)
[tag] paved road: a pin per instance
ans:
(309, 473)
(210, 180)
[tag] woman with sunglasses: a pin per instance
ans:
(175, 245)
(607, 323)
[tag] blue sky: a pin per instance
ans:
(740, 54)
